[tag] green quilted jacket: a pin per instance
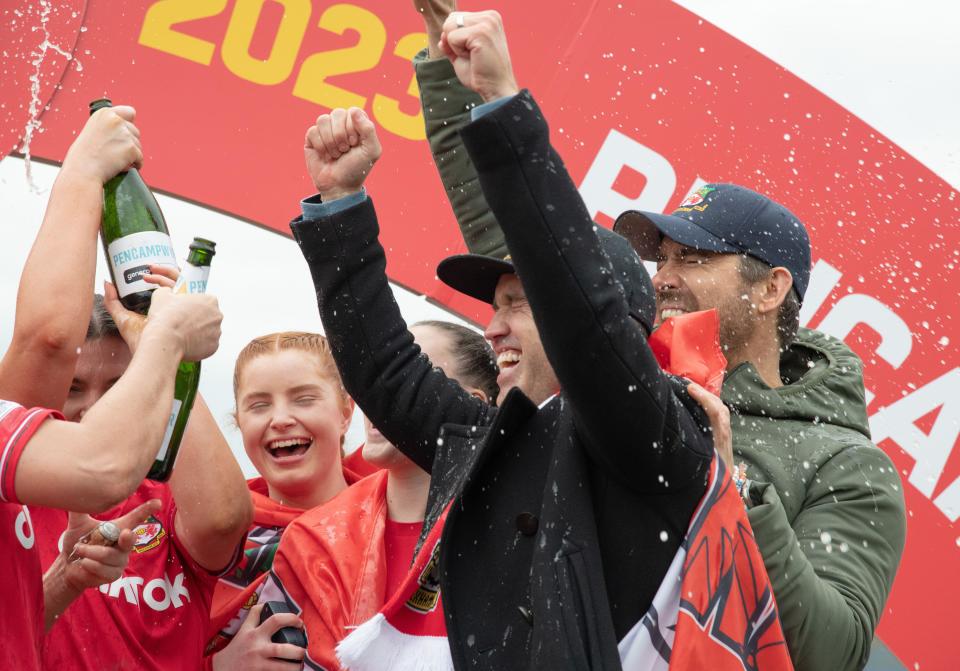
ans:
(828, 512)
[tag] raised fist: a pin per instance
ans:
(434, 13)
(433, 9)
(436, 7)
(477, 45)
(340, 150)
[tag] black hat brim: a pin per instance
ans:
(644, 230)
(474, 274)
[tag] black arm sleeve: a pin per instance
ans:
(625, 407)
(396, 386)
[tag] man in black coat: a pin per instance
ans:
(568, 508)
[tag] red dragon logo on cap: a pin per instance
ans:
(696, 198)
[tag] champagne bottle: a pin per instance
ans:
(192, 280)
(134, 233)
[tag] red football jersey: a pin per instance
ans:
(21, 584)
(153, 617)
(399, 542)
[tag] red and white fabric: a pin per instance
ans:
(714, 609)
(21, 580)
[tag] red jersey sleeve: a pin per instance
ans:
(17, 426)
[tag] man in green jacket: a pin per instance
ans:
(826, 505)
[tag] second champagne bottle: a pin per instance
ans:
(192, 280)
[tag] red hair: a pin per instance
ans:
(311, 343)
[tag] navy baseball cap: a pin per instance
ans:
(477, 275)
(726, 218)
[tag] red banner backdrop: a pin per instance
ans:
(645, 99)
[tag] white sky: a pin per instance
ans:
(894, 64)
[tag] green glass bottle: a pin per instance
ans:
(192, 280)
(134, 233)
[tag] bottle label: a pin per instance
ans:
(192, 280)
(168, 434)
(131, 256)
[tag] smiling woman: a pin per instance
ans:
(293, 413)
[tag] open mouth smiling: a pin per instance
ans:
(508, 358)
(667, 313)
(285, 448)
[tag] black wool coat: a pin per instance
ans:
(565, 518)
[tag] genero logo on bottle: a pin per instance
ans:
(132, 255)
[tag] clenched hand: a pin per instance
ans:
(477, 45)
(340, 150)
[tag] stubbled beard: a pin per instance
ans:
(737, 324)
(737, 321)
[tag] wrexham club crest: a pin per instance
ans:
(148, 535)
(427, 595)
(696, 200)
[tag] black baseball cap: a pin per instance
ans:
(726, 218)
(477, 275)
